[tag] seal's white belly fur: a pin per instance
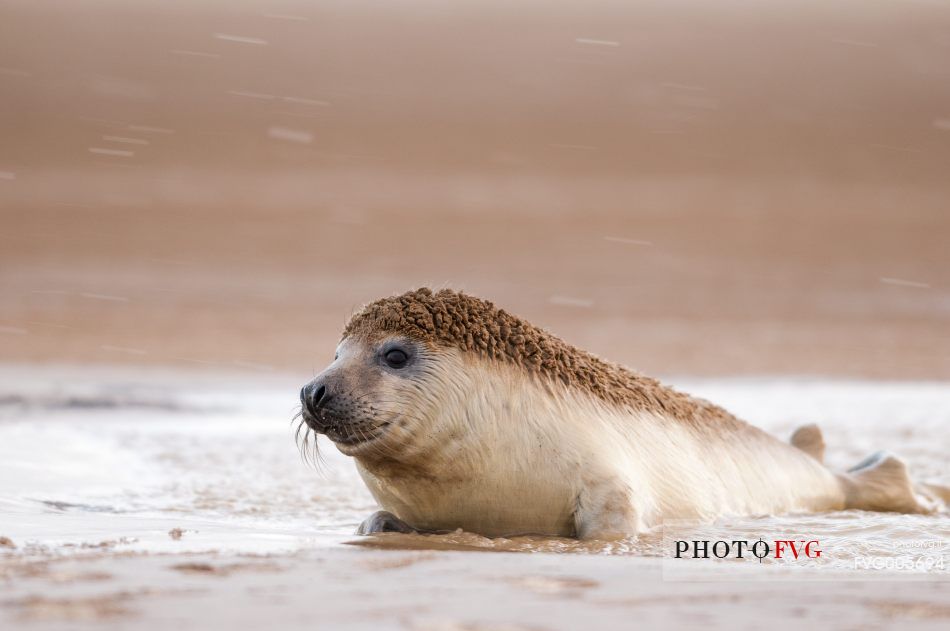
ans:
(515, 456)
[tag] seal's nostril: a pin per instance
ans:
(311, 396)
(318, 396)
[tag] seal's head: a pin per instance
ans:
(399, 367)
(372, 392)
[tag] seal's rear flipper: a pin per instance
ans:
(880, 483)
(934, 492)
(808, 438)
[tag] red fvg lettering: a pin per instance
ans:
(783, 546)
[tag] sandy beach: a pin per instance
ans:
(748, 201)
(724, 191)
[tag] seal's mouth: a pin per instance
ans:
(346, 432)
(351, 439)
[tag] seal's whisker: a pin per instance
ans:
(309, 451)
(314, 455)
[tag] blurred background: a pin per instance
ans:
(687, 187)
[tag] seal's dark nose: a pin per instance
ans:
(311, 395)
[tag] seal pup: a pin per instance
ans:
(461, 415)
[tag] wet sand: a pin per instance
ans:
(346, 588)
(135, 498)
(207, 190)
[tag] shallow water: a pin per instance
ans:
(94, 460)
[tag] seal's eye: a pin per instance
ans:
(396, 358)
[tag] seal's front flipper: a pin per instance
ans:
(383, 521)
(605, 511)
(808, 438)
(881, 483)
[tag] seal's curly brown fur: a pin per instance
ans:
(477, 326)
